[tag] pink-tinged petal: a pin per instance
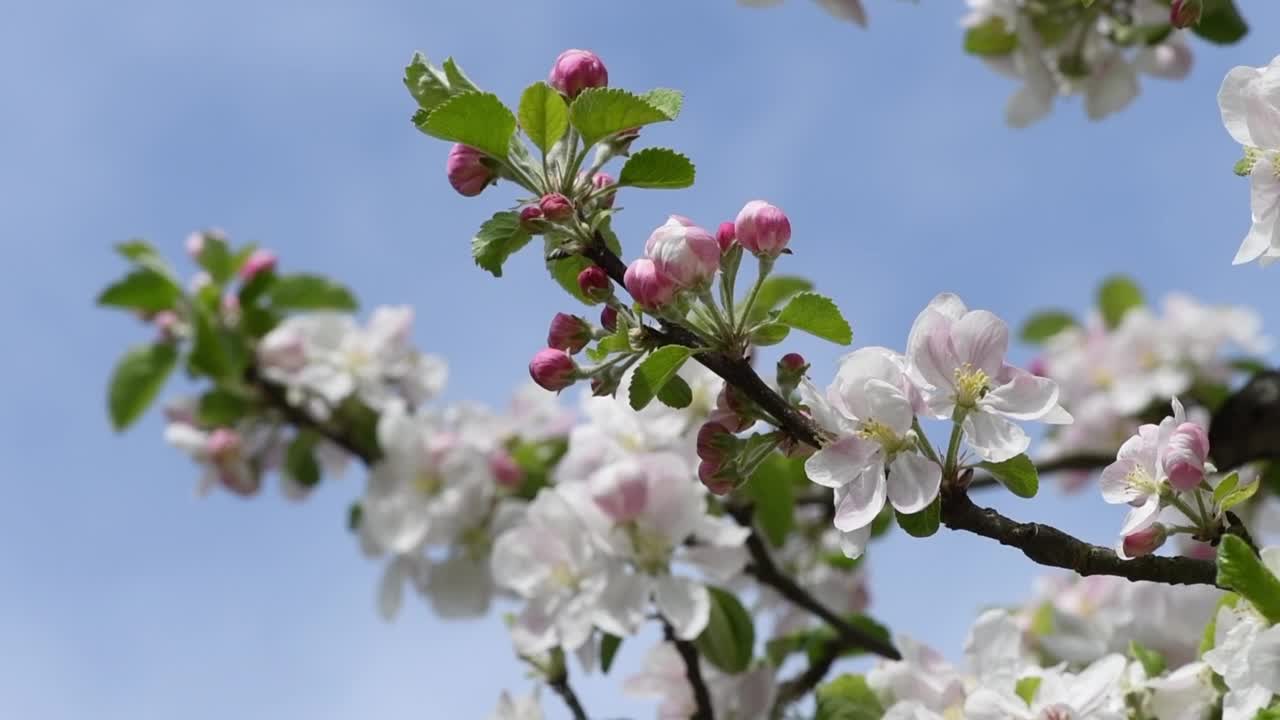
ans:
(1233, 102)
(935, 370)
(684, 603)
(623, 603)
(886, 404)
(1114, 483)
(1142, 516)
(994, 438)
(1024, 397)
(534, 630)
(858, 502)
(820, 410)
(987, 704)
(854, 542)
(913, 482)
(981, 340)
(840, 462)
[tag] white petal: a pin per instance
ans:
(1271, 558)
(1233, 102)
(623, 604)
(720, 564)
(1024, 397)
(459, 587)
(859, 502)
(981, 340)
(1141, 517)
(1096, 681)
(987, 704)
(854, 542)
(685, 604)
(1264, 659)
(839, 463)
(993, 437)
(391, 589)
(1112, 88)
(913, 482)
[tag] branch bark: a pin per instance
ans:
(560, 685)
(693, 673)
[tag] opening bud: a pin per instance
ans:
(762, 228)
(569, 333)
(1185, 456)
(576, 70)
(469, 170)
(684, 251)
(650, 286)
(1144, 542)
(259, 261)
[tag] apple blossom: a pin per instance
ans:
(1246, 654)
(684, 252)
(553, 369)
(1251, 113)
(221, 452)
(650, 286)
(871, 408)
(576, 70)
(1094, 693)
(957, 355)
(469, 170)
(746, 696)
(762, 228)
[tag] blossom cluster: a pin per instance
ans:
(1250, 105)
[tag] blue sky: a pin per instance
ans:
(286, 124)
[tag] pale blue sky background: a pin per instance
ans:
(285, 122)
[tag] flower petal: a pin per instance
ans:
(854, 542)
(839, 463)
(1233, 102)
(913, 482)
(1023, 397)
(981, 340)
(685, 604)
(994, 438)
(858, 502)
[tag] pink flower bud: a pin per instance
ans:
(707, 473)
(577, 70)
(469, 170)
(725, 235)
(556, 207)
(167, 323)
(553, 369)
(762, 228)
(259, 261)
(650, 286)
(1185, 456)
(732, 410)
(531, 219)
(196, 241)
(1185, 13)
(792, 362)
(609, 318)
(684, 251)
(505, 471)
(1144, 542)
(222, 445)
(600, 181)
(594, 282)
(621, 492)
(569, 333)
(713, 440)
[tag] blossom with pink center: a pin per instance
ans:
(1138, 475)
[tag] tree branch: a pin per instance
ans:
(1050, 546)
(560, 684)
(692, 672)
(332, 429)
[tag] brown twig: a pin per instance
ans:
(693, 673)
(560, 684)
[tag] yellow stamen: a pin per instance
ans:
(971, 384)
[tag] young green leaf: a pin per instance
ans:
(543, 115)
(771, 489)
(476, 119)
(1116, 296)
(137, 380)
(144, 290)
(729, 638)
(773, 291)
(598, 113)
(924, 523)
(1153, 663)
(676, 393)
(1242, 571)
(1026, 688)
(1018, 474)
(1225, 487)
(220, 407)
(428, 85)
(310, 292)
(1221, 23)
(666, 100)
(657, 168)
(211, 351)
(499, 237)
(1045, 324)
(655, 371)
(848, 697)
(458, 80)
(1239, 495)
(817, 316)
(769, 334)
(300, 460)
(216, 258)
(609, 645)
(990, 39)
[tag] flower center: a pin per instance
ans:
(475, 542)
(1139, 479)
(883, 434)
(428, 482)
(971, 384)
(653, 552)
(563, 576)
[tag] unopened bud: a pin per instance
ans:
(710, 475)
(506, 472)
(605, 383)
(791, 367)
(167, 323)
(577, 70)
(531, 219)
(196, 241)
(650, 286)
(1144, 542)
(469, 170)
(725, 235)
(762, 228)
(569, 333)
(600, 181)
(714, 439)
(259, 261)
(594, 282)
(556, 207)
(1185, 13)
(733, 409)
(1185, 455)
(685, 252)
(553, 369)
(609, 318)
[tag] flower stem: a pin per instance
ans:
(953, 447)
(766, 266)
(925, 445)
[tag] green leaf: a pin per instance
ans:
(1153, 663)
(1017, 473)
(609, 645)
(543, 115)
(137, 380)
(848, 697)
(1226, 487)
(608, 345)
(601, 112)
(300, 460)
(655, 371)
(1240, 495)
(1250, 365)
(479, 120)
(216, 258)
(143, 289)
(214, 352)
(1116, 296)
(499, 237)
(990, 39)
(310, 292)
(658, 168)
(1026, 688)
(773, 291)
(817, 316)
(1221, 23)
(565, 271)
(1045, 324)
(771, 489)
(1243, 572)
(770, 334)
(729, 638)
(676, 393)
(924, 523)
(220, 407)
(137, 250)
(428, 85)
(458, 80)
(665, 99)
